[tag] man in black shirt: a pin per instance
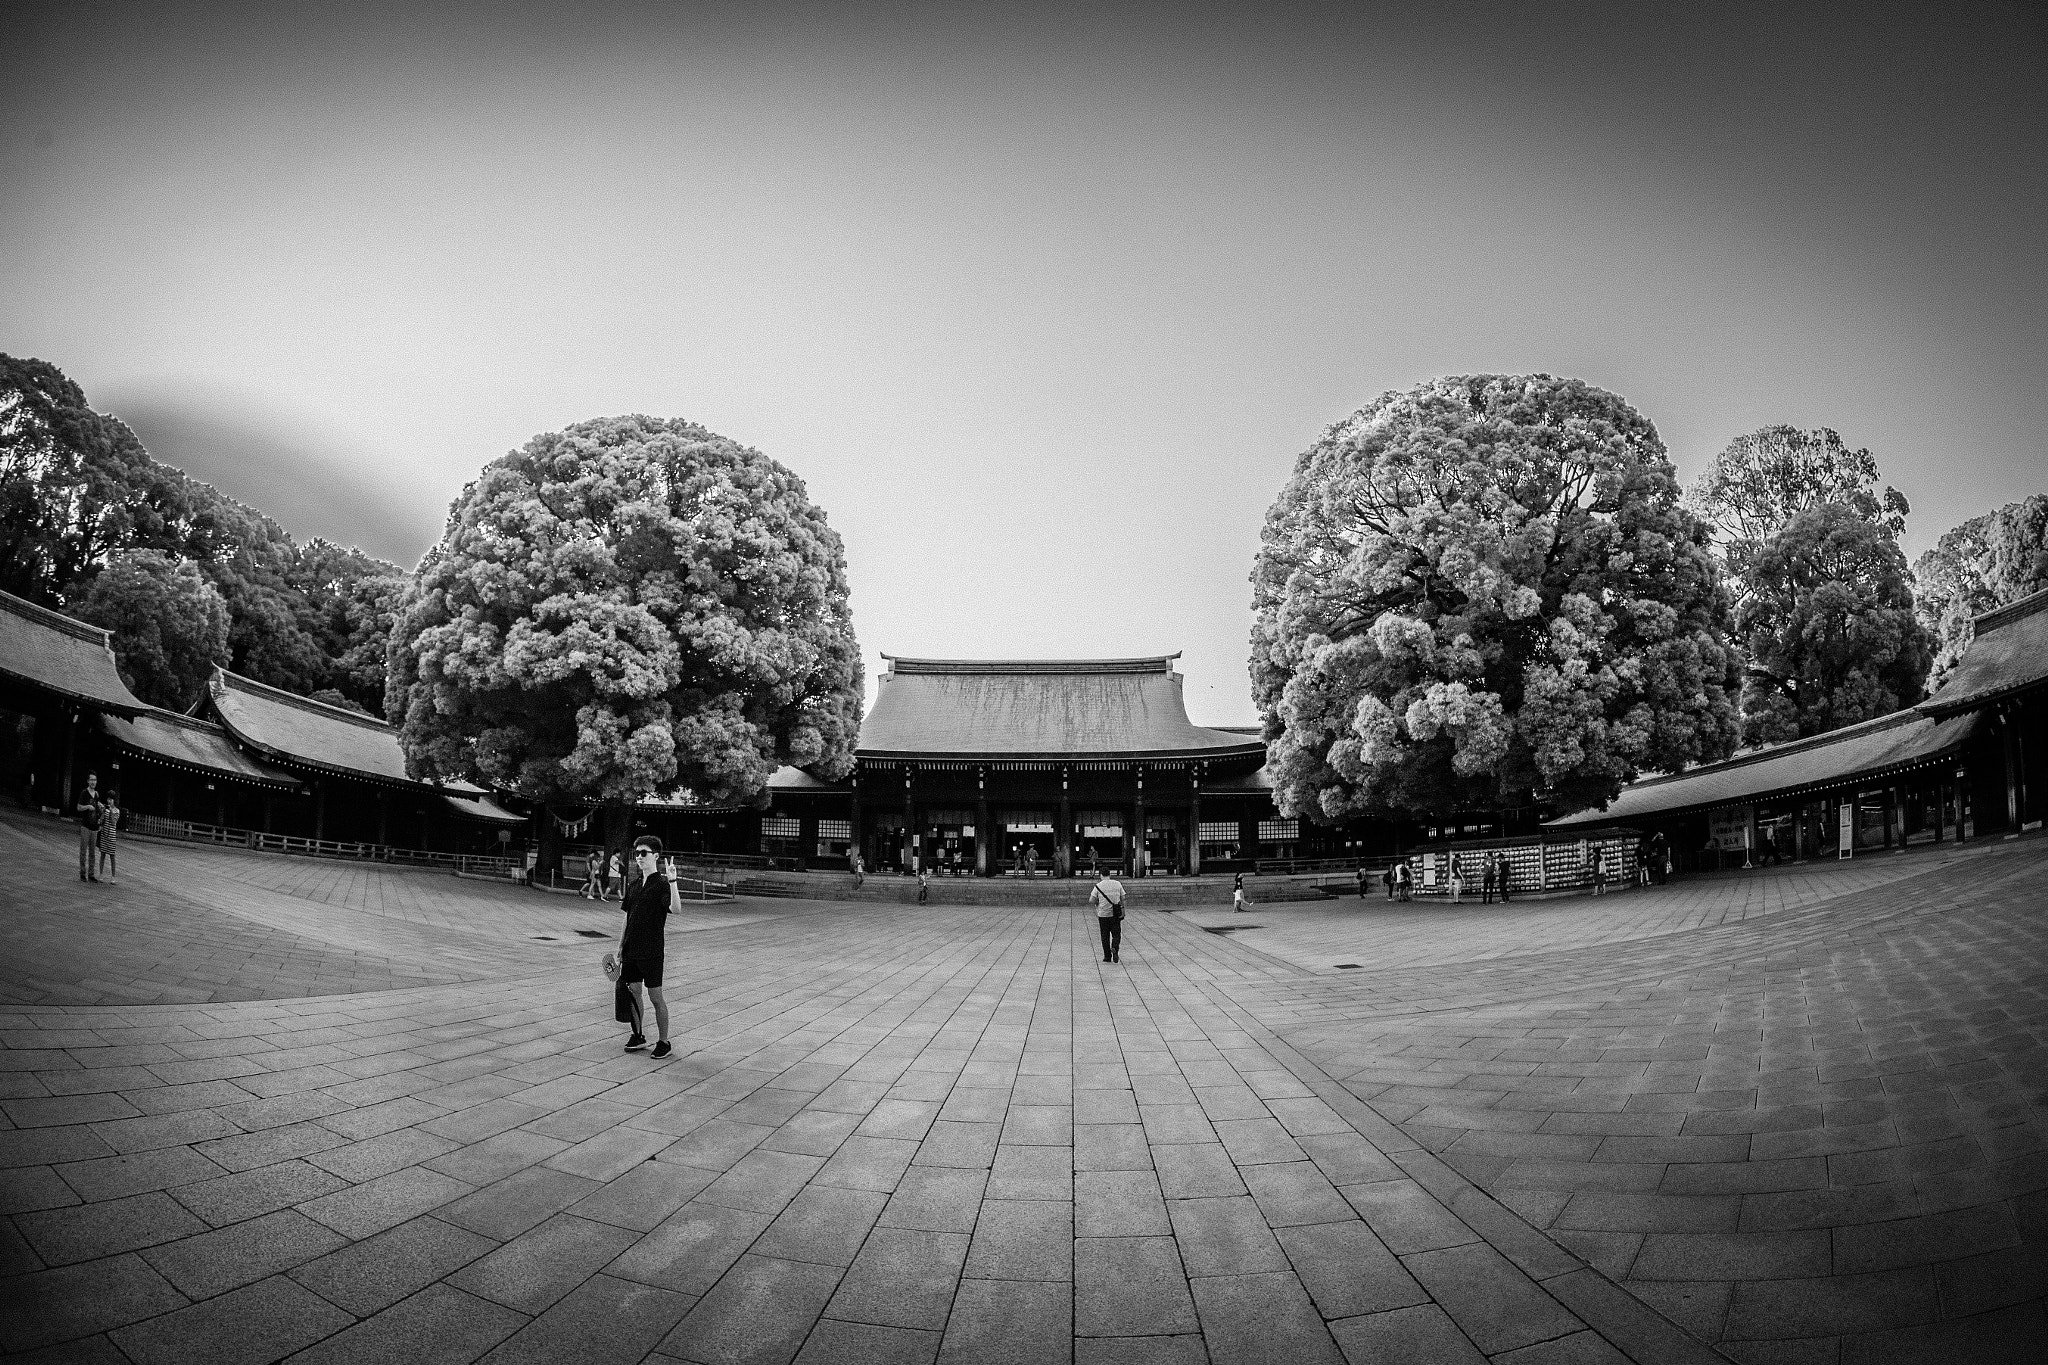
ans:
(89, 829)
(647, 907)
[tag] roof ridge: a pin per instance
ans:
(2010, 612)
(1151, 663)
(1790, 746)
(57, 620)
(179, 718)
(239, 683)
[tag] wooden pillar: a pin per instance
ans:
(267, 797)
(384, 817)
(320, 808)
(853, 825)
(1063, 837)
(1891, 818)
(220, 803)
(1138, 847)
(70, 764)
(909, 825)
(806, 838)
(1961, 790)
(983, 834)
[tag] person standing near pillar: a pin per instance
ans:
(88, 813)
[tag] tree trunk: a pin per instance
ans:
(618, 832)
(549, 862)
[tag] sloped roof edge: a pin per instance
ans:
(1156, 663)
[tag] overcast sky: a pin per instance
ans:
(1042, 303)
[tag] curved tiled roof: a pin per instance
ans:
(2008, 652)
(51, 652)
(484, 809)
(192, 744)
(299, 731)
(1903, 739)
(1039, 709)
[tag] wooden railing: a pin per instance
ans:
(225, 836)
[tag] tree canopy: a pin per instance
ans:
(1828, 626)
(77, 488)
(1984, 563)
(170, 627)
(1483, 589)
(627, 607)
(1754, 488)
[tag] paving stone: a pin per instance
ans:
(1130, 1286)
(936, 1199)
(265, 1321)
(370, 1275)
(1010, 1322)
(1224, 1236)
(250, 1194)
(211, 1263)
(384, 1202)
(522, 1200)
(1346, 1270)
(902, 1278)
(759, 1312)
(76, 1301)
(66, 1236)
(116, 1176)
(1022, 1240)
(1196, 1171)
(1261, 1317)
(823, 1224)
(690, 1250)
(539, 1266)
(440, 1325)
(1494, 1304)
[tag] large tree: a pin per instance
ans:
(170, 626)
(75, 486)
(632, 606)
(1482, 593)
(1828, 627)
(1754, 488)
(1984, 563)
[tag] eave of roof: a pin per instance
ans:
(52, 652)
(193, 745)
(2008, 653)
(1857, 753)
(482, 808)
(314, 736)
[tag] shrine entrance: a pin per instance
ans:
(1028, 841)
(1165, 844)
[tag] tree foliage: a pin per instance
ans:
(77, 487)
(1481, 589)
(170, 627)
(1828, 626)
(1984, 563)
(1757, 485)
(630, 606)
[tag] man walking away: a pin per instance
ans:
(1486, 866)
(1402, 879)
(1108, 897)
(641, 946)
(89, 829)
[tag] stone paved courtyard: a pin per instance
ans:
(260, 1108)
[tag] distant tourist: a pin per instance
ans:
(110, 832)
(1487, 870)
(616, 876)
(1599, 871)
(1031, 862)
(924, 885)
(643, 945)
(1457, 880)
(1361, 881)
(1404, 881)
(1387, 878)
(89, 829)
(1108, 899)
(857, 867)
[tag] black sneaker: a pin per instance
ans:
(635, 1043)
(661, 1049)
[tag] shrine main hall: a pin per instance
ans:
(969, 767)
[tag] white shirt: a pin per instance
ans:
(1107, 895)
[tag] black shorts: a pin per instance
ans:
(644, 970)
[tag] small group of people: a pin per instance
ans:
(99, 831)
(1492, 871)
(604, 874)
(1396, 879)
